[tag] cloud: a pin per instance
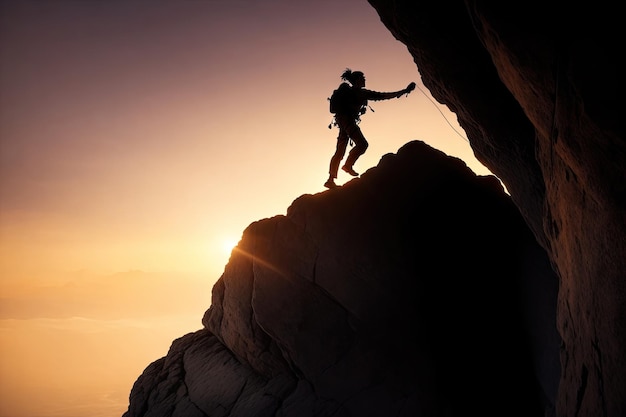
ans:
(79, 366)
(123, 295)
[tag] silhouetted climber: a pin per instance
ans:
(348, 103)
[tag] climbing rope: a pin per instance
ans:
(443, 115)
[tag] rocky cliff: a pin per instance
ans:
(539, 89)
(414, 290)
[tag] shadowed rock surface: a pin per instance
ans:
(415, 290)
(539, 89)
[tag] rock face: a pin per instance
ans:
(415, 290)
(539, 90)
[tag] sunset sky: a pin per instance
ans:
(138, 139)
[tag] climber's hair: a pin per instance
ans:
(351, 76)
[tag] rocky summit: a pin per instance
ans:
(414, 290)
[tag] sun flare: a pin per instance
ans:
(228, 244)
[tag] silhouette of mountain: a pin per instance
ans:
(416, 289)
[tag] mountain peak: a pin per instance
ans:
(398, 293)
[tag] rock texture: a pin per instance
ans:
(415, 290)
(539, 89)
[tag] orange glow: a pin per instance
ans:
(138, 137)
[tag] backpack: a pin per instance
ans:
(343, 100)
